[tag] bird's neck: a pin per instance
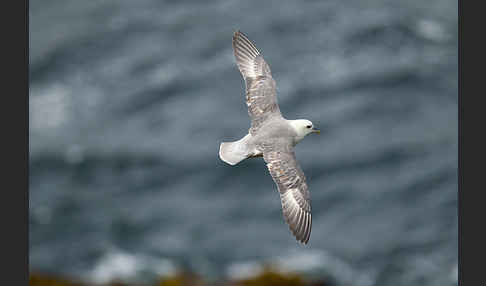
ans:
(297, 139)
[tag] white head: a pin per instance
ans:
(303, 127)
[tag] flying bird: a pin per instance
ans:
(272, 137)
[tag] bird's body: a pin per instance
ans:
(275, 129)
(272, 137)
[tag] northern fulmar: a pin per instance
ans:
(272, 137)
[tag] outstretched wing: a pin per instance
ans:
(292, 186)
(261, 92)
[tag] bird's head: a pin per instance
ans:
(303, 127)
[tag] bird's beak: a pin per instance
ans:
(316, 131)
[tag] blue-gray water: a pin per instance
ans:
(129, 101)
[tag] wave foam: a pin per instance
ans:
(127, 267)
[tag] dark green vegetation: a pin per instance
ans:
(266, 278)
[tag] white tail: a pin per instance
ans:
(234, 152)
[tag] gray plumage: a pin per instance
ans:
(272, 137)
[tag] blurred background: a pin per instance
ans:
(129, 101)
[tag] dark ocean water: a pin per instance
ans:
(129, 101)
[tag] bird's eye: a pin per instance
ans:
(308, 126)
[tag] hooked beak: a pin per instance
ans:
(317, 131)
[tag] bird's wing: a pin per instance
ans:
(292, 186)
(261, 92)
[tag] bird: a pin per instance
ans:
(272, 137)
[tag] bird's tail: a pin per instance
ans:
(234, 152)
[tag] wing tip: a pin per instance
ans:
(304, 239)
(236, 35)
(240, 39)
(298, 219)
(305, 236)
(301, 235)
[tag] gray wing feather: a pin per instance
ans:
(292, 186)
(261, 92)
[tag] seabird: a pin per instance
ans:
(272, 137)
